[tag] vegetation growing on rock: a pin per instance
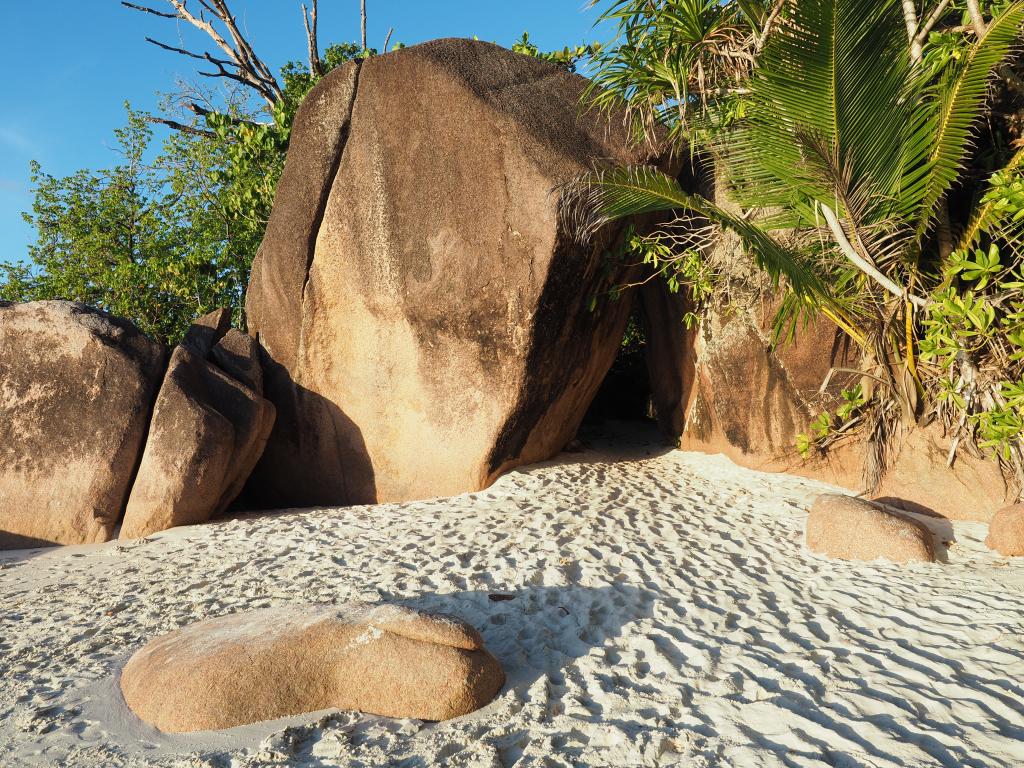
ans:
(871, 158)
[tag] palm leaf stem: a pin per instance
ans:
(863, 264)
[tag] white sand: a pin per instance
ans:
(665, 612)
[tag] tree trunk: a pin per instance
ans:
(910, 18)
(362, 20)
(977, 20)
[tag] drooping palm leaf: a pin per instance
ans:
(590, 202)
(834, 72)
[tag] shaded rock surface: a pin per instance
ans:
(207, 432)
(425, 318)
(669, 354)
(76, 389)
(1006, 531)
(849, 528)
(276, 662)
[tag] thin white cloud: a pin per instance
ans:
(14, 139)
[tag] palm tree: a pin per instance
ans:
(850, 141)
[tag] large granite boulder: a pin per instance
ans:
(76, 389)
(426, 319)
(209, 426)
(277, 662)
(849, 528)
(748, 398)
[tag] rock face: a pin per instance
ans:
(725, 387)
(849, 528)
(425, 318)
(1006, 531)
(669, 353)
(76, 388)
(209, 426)
(750, 400)
(271, 663)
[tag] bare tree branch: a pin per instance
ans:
(202, 111)
(910, 19)
(316, 67)
(146, 9)
(387, 40)
(189, 129)
(250, 70)
(362, 21)
(977, 20)
(201, 56)
(922, 34)
(220, 8)
(769, 24)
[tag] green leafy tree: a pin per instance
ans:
(162, 239)
(117, 239)
(567, 58)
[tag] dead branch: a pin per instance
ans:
(189, 129)
(768, 25)
(362, 21)
(241, 65)
(316, 67)
(201, 111)
(146, 9)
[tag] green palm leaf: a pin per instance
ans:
(962, 98)
(833, 75)
(590, 202)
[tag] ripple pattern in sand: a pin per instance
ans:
(661, 610)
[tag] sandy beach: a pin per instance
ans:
(651, 607)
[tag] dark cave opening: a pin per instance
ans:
(625, 393)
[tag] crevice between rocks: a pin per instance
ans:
(134, 475)
(325, 193)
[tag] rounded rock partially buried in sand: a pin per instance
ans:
(849, 528)
(278, 662)
(1006, 531)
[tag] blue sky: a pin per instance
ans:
(71, 64)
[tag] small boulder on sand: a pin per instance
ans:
(849, 528)
(1006, 531)
(278, 662)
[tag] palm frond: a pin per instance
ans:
(832, 81)
(989, 217)
(671, 60)
(596, 199)
(949, 131)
